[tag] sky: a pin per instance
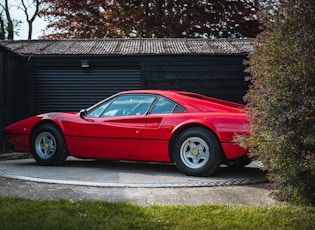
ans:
(38, 25)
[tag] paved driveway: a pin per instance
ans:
(140, 183)
(124, 174)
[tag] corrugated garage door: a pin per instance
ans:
(72, 90)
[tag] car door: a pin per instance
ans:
(114, 128)
(161, 121)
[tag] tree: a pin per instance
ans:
(152, 18)
(200, 18)
(2, 27)
(281, 100)
(8, 25)
(6, 22)
(26, 6)
(81, 18)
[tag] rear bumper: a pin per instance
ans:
(233, 150)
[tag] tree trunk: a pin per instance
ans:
(10, 27)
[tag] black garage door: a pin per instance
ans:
(72, 90)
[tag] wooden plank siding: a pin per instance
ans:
(13, 89)
(219, 76)
(2, 88)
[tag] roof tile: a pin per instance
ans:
(130, 46)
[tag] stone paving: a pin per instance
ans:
(124, 174)
(140, 183)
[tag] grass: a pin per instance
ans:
(19, 213)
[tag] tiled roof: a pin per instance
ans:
(129, 46)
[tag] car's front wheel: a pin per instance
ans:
(48, 145)
(197, 152)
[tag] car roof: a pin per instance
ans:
(172, 94)
(194, 100)
(153, 91)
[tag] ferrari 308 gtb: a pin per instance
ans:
(191, 130)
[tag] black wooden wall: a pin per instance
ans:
(13, 90)
(219, 76)
(2, 108)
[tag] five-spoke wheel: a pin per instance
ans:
(197, 152)
(45, 145)
(48, 145)
(194, 152)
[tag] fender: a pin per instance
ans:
(196, 122)
(224, 125)
(61, 120)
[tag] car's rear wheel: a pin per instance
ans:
(48, 145)
(197, 152)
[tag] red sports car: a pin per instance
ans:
(192, 130)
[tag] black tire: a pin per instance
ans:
(197, 152)
(239, 162)
(48, 145)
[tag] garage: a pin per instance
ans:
(68, 89)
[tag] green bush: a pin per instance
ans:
(281, 99)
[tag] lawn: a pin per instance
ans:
(19, 213)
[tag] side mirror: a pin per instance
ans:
(82, 113)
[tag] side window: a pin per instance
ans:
(96, 112)
(128, 105)
(163, 106)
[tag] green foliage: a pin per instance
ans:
(8, 25)
(17, 213)
(281, 100)
(151, 18)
